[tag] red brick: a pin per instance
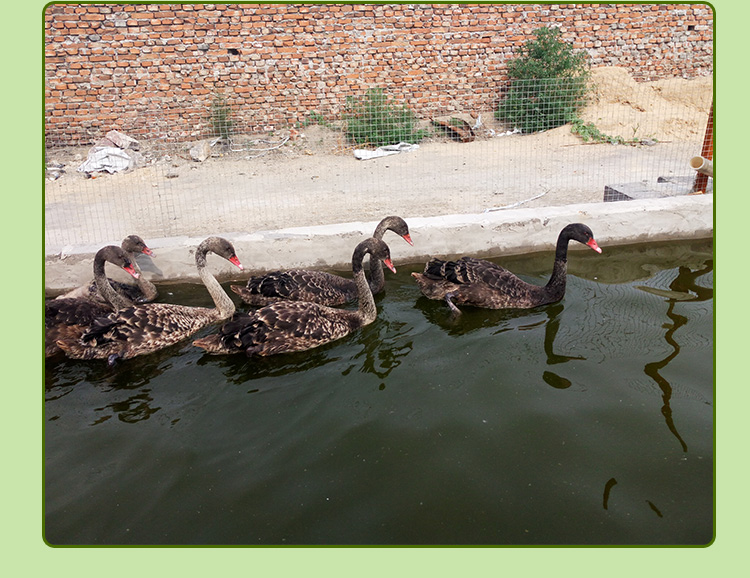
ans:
(449, 56)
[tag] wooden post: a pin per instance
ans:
(707, 152)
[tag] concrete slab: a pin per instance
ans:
(491, 234)
(664, 187)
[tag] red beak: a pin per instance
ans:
(235, 261)
(407, 238)
(147, 251)
(594, 246)
(389, 264)
(132, 271)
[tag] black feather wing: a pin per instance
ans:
(73, 312)
(303, 285)
(152, 325)
(468, 271)
(289, 326)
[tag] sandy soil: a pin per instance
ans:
(315, 179)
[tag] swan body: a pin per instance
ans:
(69, 317)
(318, 286)
(142, 292)
(479, 283)
(287, 326)
(149, 327)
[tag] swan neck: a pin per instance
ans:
(380, 230)
(377, 275)
(223, 302)
(558, 279)
(105, 289)
(367, 309)
(561, 251)
(147, 288)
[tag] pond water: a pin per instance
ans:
(589, 421)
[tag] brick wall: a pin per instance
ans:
(107, 66)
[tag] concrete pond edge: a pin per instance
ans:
(489, 234)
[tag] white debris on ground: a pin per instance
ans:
(402, 147)
(114, 153)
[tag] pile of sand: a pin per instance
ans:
(669, 109)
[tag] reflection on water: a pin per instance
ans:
(550, 332)
(556, 381)
(497, 427)
(240, 369)
(382, 354)
(135, 408)
(652, 370)
(611, 483)
(127, 383)
(683, 288)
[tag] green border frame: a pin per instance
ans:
(25, 550)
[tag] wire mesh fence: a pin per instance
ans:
(190, 168)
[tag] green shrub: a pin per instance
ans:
(589, 132)
(312, 118)
(220, 116)
(375, 120)
(549, 81)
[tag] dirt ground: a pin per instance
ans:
(314, 178)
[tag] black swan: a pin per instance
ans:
(68, 318)
(480, 283)
(142, 292)
(287, 326)
(318, 286)
(146, 328)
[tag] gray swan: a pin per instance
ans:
(480, 283)
(69, 317)
(287, 326)
(142, 292)
(149, 327)
(318, 286)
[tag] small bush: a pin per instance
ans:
(589, 132)
(375, 120)
(220, 116)
(312, 118)
(549, 82)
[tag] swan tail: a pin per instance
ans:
(251, 297)
(227, 340)
(212, 344)
(97, 333)
(75, 349)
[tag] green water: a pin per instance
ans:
(589, 421)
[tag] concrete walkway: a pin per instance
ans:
(492, 234)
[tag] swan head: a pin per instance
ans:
(395, 224)
(581, 233)
(377, 250)
(221, 247)
(116, 256)
(134, 244)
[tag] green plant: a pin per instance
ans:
(376, 120)
(220, 116)
(590, 132)
(312, 118)
(549, 82)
